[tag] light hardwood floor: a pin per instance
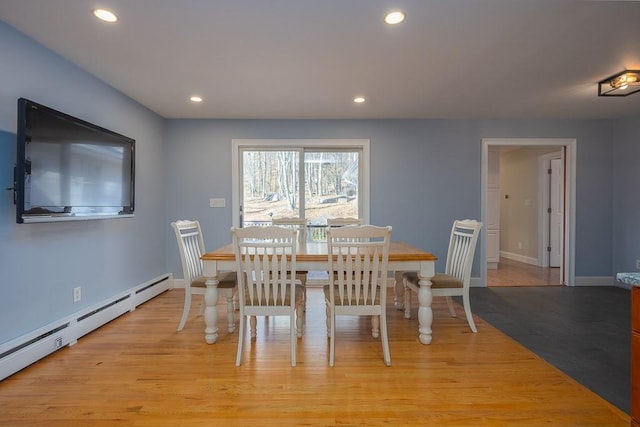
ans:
(138, 371)
(514, 273)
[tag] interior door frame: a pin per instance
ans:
(570, 146)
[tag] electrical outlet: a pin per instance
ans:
(57, 343)
(77, 294)
(638, 264)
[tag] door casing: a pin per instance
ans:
(568, 275)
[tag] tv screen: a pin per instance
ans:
(69, 169)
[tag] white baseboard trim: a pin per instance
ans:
(595, 281)
(475, 282)
(29, 348)
(178, 283)
(520, 258)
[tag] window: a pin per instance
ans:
(311, 179)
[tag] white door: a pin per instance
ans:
(556, 213)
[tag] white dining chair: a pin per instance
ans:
(191, 247)
(358, 258)
(266, 265)
(342, 221)
(296, 223)
(299, 224)
(457, 276)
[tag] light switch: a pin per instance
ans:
(217, 203)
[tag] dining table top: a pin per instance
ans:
(318, 251)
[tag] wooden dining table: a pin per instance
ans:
(313, 256)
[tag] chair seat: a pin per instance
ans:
(338, 302)
(226, 281)
(440, 280)
(287, 297)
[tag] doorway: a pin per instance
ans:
(565, 228)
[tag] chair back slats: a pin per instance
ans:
(361, 270)
(193, 254)
(296, 223)
(358, 259)
(191, 247)
(464, 235)
(265, 256)
(264, 283)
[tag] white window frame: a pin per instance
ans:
(362, 145)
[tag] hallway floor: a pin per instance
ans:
(515, 273)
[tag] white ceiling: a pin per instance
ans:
(309, 58)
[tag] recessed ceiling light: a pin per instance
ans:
(196, 98)
(358, 99)
(105, 15)
(394, 17)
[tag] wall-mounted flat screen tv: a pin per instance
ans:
(69, 169)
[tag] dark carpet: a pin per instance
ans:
(583, 331)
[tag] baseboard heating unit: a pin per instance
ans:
(29, 348)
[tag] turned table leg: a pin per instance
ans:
(211, 311)
(425, 313)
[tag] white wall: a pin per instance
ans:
(519, 212)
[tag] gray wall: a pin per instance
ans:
(424, 174)
(407, 157)
(626, 195)
(42, 263)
